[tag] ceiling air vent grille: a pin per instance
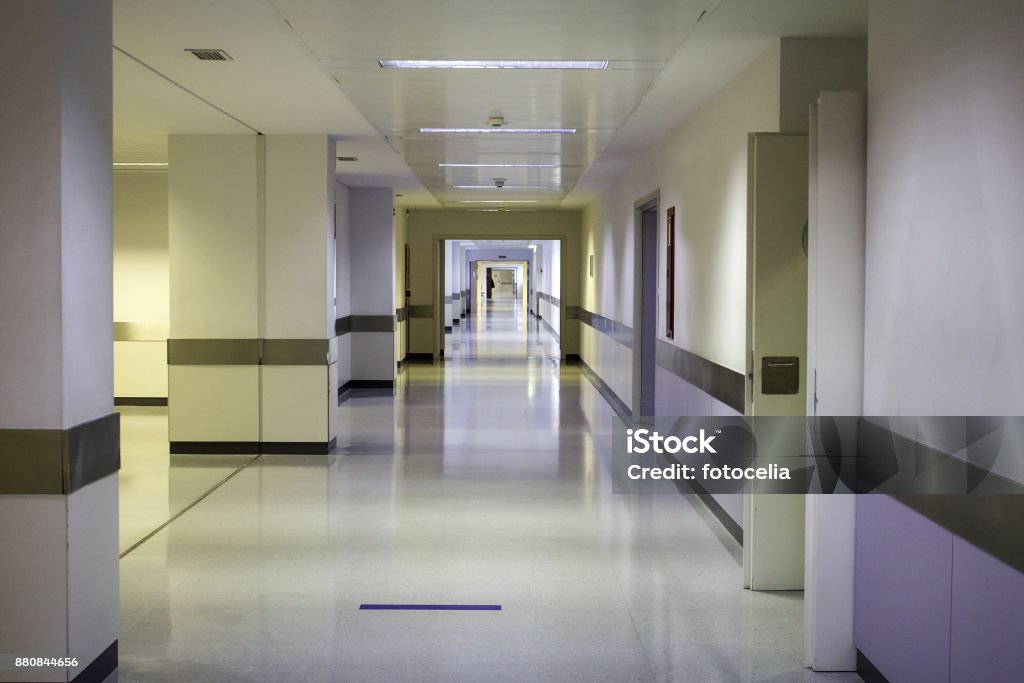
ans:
(210, 55)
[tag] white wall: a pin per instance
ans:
(549, 274)
(810, 66)
(944, 320)
(141, 280)
(701, 169)
(140, 246)
(343, 286)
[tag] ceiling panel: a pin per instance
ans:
(310, 66)
(272, 82)
(147, 108)
(636, 36)
(398, 100)
(472, 29)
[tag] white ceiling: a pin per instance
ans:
(310, 66)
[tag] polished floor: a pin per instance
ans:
(500, 328)
(482, 480)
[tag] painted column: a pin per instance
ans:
(463, 282)
(215, 227)
(299, 370)
(449, 284)
(251, 257)
(342, 306)
(372, 286)
(456, 272)
(59, 436)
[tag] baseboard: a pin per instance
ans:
(419, 358)
(100, 668)
(298, 447)
(447, 329)
(867, 671)
(215, 447)
(252, 447)
(371, 384)
(357, 384)
(140, 400)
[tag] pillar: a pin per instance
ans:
(252, 356)
(449, 283)
(59, 436)
(372, 286)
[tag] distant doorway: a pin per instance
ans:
(501, 299)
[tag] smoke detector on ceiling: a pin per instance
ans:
(496, 121)
(499, 183)
(209, 55)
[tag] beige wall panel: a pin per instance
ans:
(299, 237)
(295, 403)
(215, 217)
(140, 368)
(214, 403)
(141, 276)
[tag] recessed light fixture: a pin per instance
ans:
(135, 164)
(492, 64)
(498, 201)
(528, 131)
(497, 165)
(504, 187)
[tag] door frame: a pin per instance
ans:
(645, 331)
(437, 242)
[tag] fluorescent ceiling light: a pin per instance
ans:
(496, 129)
(503, 187)
(162, 164)
(497, 165)
(492, 64)
(499, 201)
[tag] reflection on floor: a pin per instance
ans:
(500, 327)
(479, 481)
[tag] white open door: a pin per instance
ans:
(773, 529)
